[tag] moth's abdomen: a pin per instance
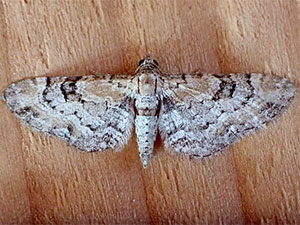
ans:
(146, 105)
(146, 125)
(146, 131)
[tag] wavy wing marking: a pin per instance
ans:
(204, 113)
(92, 113)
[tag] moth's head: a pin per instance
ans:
(147, 63)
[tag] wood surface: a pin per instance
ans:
(44, 181)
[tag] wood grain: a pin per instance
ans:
(42, 180)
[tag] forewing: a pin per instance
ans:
(205, 113)
(92, 113)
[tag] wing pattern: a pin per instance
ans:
(89, 112)
(205, 113)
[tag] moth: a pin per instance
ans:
(196, 114)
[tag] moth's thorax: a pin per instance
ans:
(147, 83)
(146, 101)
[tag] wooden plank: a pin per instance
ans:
(43, 180)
